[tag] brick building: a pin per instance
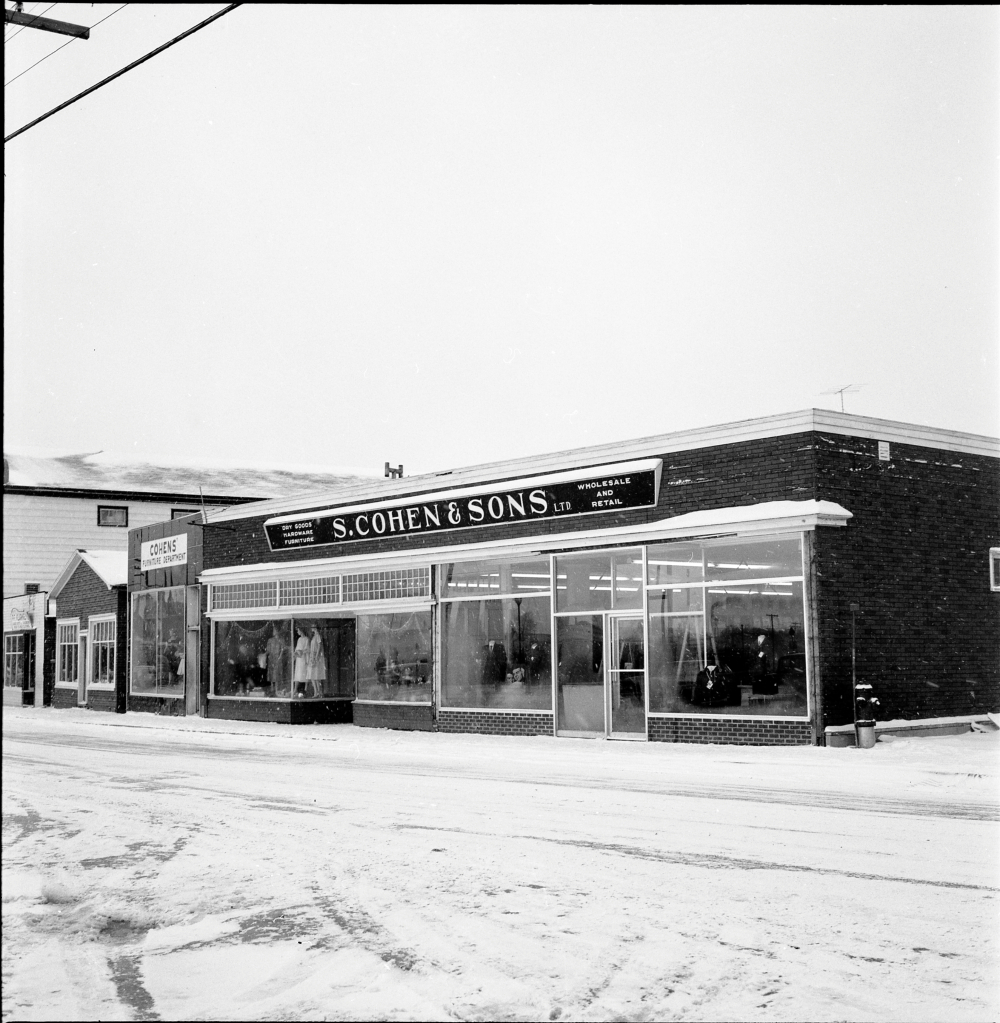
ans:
(91, 632)
(696, 586)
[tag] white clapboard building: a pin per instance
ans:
(53, 506)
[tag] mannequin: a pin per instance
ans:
(316, 662)
(299, 673)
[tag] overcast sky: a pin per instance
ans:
(440, 236)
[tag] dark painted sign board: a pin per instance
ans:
(436, 513)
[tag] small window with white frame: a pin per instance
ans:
(67, 652)
(183, 513)
(102, 650)
(995, 568)
(112, 515)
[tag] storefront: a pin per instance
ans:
(707, 586)
(165, 617)
(27, 650)
(611, 632)
(91, 654)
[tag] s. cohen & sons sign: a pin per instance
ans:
(621, 487)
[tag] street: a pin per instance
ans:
(189, 869)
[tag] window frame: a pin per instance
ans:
(116, 508)
(92, 648)
(995, 569)
(803, 579)
(18, 657)
(183, 513)
(153, 694)
(73, 623)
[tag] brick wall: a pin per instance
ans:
(730, 731)
(288, 712)
(407, 717)
(915, 558)
(772, 469)
(86, 594)
(63, 698)
(495, 722)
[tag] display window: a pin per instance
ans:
(67, 653)
(497, 653)
(395, 662)
(726, 628)
(158, 631)
(102, 633)
(284, 658)
(496, 634)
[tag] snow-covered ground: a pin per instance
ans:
(189, 869)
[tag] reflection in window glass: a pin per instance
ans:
(158, 642)
(756, 559)
(726, 628)
(627, 570)
(583, 582)
(495, 578)
(394, 657)
(285, 659)
(581, 673)
(497, 653)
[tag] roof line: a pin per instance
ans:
(787, 423)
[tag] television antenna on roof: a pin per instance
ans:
(846, 389)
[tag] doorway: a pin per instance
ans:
(601, 685)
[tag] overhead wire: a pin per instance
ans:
(64, 45)
(124, 70)
(23, 27)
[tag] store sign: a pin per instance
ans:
(21, 619)
(165, 553)
(622, 487)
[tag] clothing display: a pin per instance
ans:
(276, 654)
(494, 662)
(715, 687)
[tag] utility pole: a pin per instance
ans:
(63, 28)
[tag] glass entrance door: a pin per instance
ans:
(625, 671)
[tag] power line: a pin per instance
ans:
(65, 44)
(118, 74)
(20, 30)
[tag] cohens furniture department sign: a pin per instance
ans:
(165, 553)
(621, 487)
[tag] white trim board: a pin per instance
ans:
(749, 520)
(786, 424)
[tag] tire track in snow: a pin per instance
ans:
(711, 861)
(848, 801)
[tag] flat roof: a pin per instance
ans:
(810, 420)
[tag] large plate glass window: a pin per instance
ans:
(496, 635)
(158, 655)
(394, 657)
(285, 658)
(726, 627)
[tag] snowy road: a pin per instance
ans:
(190, 869)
